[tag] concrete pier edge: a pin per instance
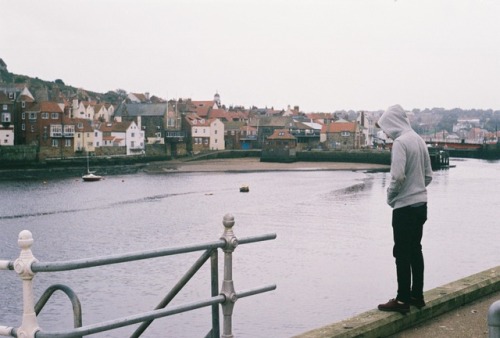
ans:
(375, 323)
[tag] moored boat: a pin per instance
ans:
(90, 177)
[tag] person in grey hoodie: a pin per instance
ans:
(411, 173)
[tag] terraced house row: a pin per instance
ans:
(141, 124)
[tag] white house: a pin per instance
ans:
(134, 139)
(6, 136)
(216, 132)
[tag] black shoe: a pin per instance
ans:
(417, 302)
(394, 305)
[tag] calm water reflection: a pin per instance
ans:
(331, 260)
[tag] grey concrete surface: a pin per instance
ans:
(467, 321)
(458, 309)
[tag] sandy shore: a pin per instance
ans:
(252, 164)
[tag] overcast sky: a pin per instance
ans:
(320, 55)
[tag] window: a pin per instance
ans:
(23, 115)
(4, 107)
(55, 130)
(132, 135)
(23, 126)
(215, 132)
(45, 116)
(345, 133)
(132, 144)
(69, 130)
(55, 143)
(67, 142)
(54, 116)
(32, 116)
(5, 117)
(23, 104)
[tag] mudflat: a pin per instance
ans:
(252, 164)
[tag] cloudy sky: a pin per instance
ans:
(322, 55)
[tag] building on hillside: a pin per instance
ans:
(6, 120)
(101, 113)
(6, 136)
(202, 108)
(248, 138)
(84, 136)
(367, 127)
(291, 112)
(268, 124)
(233, 132)
(161, 123)
(6, 126)
(203, 134)
(24, 102)
(78, 110)
(138, 98)
(152, 116)
(175, 136)
(322, 118)
(307, 134)
(216, 134)
(343, 136)
(281, 146)
(127, 135)
(47, 126)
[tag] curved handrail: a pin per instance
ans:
(75, 302)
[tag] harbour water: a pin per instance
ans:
(331, 259)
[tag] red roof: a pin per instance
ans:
(48, 107)
(281, 134)
(338, 127)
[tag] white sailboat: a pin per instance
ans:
(90, 176)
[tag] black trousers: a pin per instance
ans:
(407, 225)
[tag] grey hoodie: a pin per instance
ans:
(411, 170)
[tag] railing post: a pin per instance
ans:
(227, 284)
(22, 266)
(494, 320)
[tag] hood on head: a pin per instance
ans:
(394, 121)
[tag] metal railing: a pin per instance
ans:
(26, 266)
